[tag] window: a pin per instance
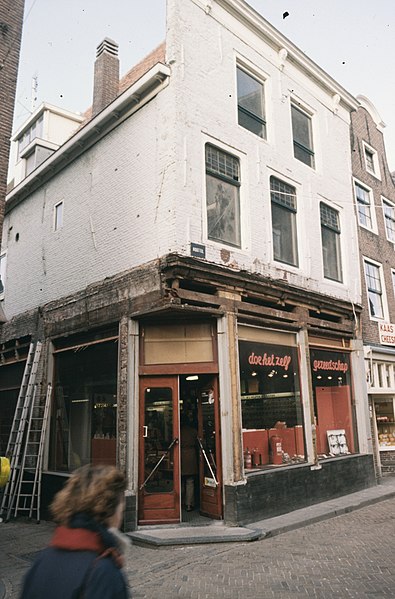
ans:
(83, 424)
(58, 216)
(330, 374)
(302, 136)
(35, 130)
(330, 237)
(283, 202)
(374, 288)
(389, 219)
(3, 261)
(250, 103)
(364, 206)
(223, 196)
(371, 160)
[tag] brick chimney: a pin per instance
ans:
(106, 77)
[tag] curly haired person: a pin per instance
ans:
(85, 556)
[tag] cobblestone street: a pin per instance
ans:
(350, 556)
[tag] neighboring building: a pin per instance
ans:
(11, 18)
(195, 250)
(375, 207)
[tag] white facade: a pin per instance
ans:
(140, 192)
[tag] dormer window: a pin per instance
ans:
(35, 130)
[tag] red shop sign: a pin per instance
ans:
(269, 360)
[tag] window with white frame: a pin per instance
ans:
(3, 263)
(389, 219)
(250, 103)
(283, 205)
(330, 237)
(302, 136)
(58, 216)
(223, 196)
(371, 160)
(374, 287)
(364, 205)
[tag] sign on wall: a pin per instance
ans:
(387, 333)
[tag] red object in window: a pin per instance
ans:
(276, 451)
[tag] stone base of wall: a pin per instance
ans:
(272, 493)
(387, 459)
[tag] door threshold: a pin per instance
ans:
(189, 519)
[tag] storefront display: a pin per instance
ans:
(331, 380)
(271, 407)
(84, 415)
(385, 417)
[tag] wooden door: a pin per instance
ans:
(159, 472)
(209, 439)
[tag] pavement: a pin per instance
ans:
(341, 548)
(218, 532)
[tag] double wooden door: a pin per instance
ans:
(159, 498)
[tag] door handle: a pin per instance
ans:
(145, 431)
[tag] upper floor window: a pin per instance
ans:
(3, 260)
(371, 160)
(330, 236)
(374, 289)
(35, 130)
(223, 196)
(389, 219)
(250, 103)
(283, 204)
(364, 206)
(302, 136)
(58, 216)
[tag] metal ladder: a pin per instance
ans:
(28, 495)
(18, 428)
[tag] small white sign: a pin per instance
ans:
(387, 333)
(209, 482)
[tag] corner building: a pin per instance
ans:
(207, 265)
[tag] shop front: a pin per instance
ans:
(380, 369)
(299, 422)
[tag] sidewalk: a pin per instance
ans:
(218, 532)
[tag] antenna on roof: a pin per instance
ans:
(34, 92)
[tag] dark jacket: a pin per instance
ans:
(83, 560)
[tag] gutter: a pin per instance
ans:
(129, 102)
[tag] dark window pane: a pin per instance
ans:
(250, 102)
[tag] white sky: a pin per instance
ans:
(352, 40)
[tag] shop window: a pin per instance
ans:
(11, 376)
(330, 237)
(302, 136)
(272, 416)
(385, 417)
(332, 402)
(283, 203)
(250, 103)
(223, 196)
(84, 410)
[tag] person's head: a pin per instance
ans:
(97, 491)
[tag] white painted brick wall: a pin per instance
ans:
(141, 189)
